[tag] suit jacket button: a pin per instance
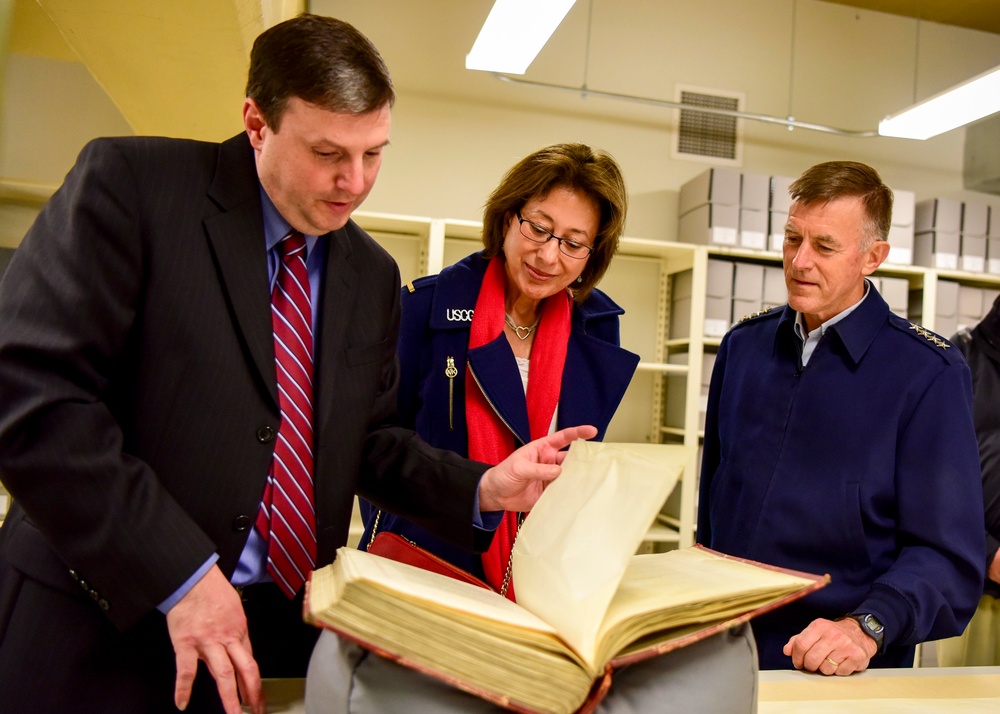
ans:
(103, 604)
(241, 523)
(265, 434)
(73, 575)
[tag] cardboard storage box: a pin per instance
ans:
(710, 224)
(753, 229)
(946, 308)
(718, 301)
(775, 290)
(937, 214)
(970, 306)
(776, 230)
(903, 207)
(716, 185)
(972, 253)
(748, 289)
(900, 245)
(680, 305)
(975, 219)
(780, 200)
(936, 249)
(896, 292)
(748, 283)
(718, 297)
(755, 191)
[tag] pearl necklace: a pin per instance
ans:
(523, 332)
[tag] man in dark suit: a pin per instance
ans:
(139, 406)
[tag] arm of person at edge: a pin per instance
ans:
(208, 622)
(841, 647)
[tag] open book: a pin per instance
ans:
(586, 604)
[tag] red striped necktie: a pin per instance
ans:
(287, 519)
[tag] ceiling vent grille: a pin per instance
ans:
(715, 138)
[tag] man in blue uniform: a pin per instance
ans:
(839, 439)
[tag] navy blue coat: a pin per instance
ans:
(862, 465)
(436, 317)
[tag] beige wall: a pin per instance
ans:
(822, 62)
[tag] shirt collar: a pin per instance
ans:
(276, 227)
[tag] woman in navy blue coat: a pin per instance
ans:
(550, 231)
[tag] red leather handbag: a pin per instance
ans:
(395, 547)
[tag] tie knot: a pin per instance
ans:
(291, 245)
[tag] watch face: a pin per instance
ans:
(873, 624)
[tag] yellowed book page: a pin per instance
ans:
(576, 544)
(465, 634)
(415, 583)
(681, 587)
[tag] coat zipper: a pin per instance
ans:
(492, 406)
(450, 372)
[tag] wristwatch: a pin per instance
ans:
(871, 626)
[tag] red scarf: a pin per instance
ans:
(489, 440)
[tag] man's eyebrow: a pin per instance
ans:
(331, 144)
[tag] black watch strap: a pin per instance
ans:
(872, 627)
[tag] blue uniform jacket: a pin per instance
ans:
(863, 465)
(434, 332)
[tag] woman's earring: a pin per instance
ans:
(579, 279)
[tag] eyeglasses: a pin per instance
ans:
(537, 234)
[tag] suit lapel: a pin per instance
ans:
(338, 287)
(236, 235)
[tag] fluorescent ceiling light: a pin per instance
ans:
(514, 32)
(971, 100)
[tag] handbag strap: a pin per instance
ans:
(378, 517)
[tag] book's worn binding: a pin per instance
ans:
(602, 685)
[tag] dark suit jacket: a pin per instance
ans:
(138, 405)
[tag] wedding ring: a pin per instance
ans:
(835, 664)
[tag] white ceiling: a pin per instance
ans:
(178, 67)
(645, 48)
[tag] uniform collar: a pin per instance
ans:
(856, 331)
